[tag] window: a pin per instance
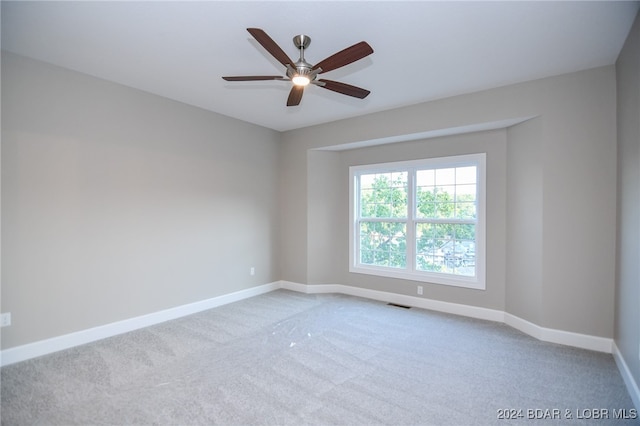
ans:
(420, 220)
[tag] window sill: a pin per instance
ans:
(442, 279)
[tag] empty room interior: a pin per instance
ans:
(307, 212)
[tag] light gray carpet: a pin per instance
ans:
(292, 359)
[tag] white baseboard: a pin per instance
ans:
(582, 341)
(632, 385)
(402, 299)
(44, 347)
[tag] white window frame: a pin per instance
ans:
(411, 273)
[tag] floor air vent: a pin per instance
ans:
(399, 306)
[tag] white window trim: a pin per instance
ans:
(475, 282)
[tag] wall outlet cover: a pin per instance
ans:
(5, 319)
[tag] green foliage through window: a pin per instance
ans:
(383, 244)
(383, 196)
(441, 228)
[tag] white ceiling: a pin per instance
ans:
(422, 50)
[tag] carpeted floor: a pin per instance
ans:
(286, 358)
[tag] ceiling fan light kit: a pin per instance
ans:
(300, 80)
(301, 73)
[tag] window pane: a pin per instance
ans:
(383, 244)
(426, 178)
(425, 201)
(448, 248)
(460, 251)
(464, 232)
(445, 176)
(465, 175)
(428, 257)
(466, 192)
(466, 210)
(383, 195)
(446, 193)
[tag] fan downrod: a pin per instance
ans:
(301, 68)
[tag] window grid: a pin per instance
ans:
(436, 235)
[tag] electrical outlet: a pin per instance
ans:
(5, 319)
(252, 271)
(420, 290)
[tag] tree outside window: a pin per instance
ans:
(420, 219)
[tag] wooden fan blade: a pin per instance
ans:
(270, 46)
(345, 89)
(295, 96)
(344, 57)
(253, 78)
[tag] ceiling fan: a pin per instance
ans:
(301, 73)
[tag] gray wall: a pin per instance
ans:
(627, 335)
(565, 158)
(524, 266)
(117, 203)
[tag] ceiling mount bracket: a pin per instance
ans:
(301, 41)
